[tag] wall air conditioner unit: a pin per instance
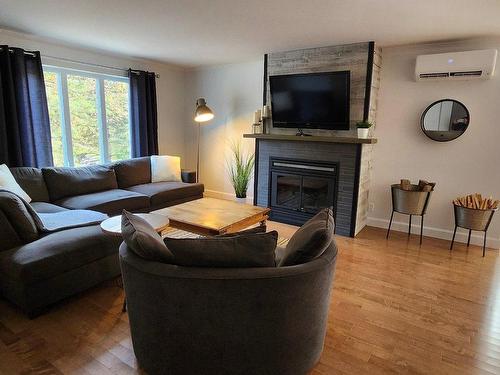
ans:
(478, 64)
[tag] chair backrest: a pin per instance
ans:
(228, 321)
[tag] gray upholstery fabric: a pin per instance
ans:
(111, 202)
(310, 240)
(222, 321)
(257, 229)
(33, 299)
(131, 172)
(245, 250)
(55, 253)
(163, 192)
(68, 182)
(142, 239)
(17, 221)
(46, 208)
(31, 181)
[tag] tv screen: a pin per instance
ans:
(311, 101)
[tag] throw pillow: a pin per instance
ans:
(143, 240)
(310, 240)
(258, 229)
(8, 182)
(246, 250)
(165, 168)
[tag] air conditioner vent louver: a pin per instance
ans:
(456, 66)
(474, 73)
(434, 75)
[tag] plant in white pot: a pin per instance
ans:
(240, 171)
(363, 128)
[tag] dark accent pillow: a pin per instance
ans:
(310, 240)
(17, 219)
(67, 182)
(246, 250)
(132, 172)
(259, 229)
(31, 181)
(143, 240)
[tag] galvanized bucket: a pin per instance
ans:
(410, 202)
(471, 218)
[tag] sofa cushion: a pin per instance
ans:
(310, 240)
(143, 240)
(67, 182)
(245, 250)
(133, 172)
(57, 253)
(111, 202)
(31, 181)
(16, 221)
(46, 208)
(164, 192)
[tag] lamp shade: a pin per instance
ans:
(202, 113)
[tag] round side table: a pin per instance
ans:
(113, 227)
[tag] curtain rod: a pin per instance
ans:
(94, 65)
(80, 62)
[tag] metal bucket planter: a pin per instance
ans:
(409, 202)
(472, 219)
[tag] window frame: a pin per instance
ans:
(64, 110)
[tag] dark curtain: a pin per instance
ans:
(24, 116)
(143, 114)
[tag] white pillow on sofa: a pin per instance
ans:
(8, 182)
(165, 168)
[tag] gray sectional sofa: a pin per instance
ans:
(38, 269)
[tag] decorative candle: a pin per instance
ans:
(256, 116)
(265, 112)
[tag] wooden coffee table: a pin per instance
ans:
(211, 216)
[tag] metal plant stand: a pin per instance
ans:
(409, 202)
(472, 219)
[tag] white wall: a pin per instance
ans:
(233, 92)
(466, 165)
(170, 85)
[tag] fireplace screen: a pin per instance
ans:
(299, 189)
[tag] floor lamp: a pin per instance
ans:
(202, 114)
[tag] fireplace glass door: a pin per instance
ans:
(300, 188)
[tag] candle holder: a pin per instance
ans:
(257, 128)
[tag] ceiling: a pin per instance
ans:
(206, 32)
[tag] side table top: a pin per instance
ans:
(113, 225)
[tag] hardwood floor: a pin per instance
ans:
(396, 308)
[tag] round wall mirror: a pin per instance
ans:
(445, 120)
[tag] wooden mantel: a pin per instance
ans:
(312, 138)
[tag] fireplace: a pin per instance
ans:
(300, 188)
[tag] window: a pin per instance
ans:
(89, 117)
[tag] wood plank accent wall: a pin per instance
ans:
(352, 57)
(367, 149)
(364, 61)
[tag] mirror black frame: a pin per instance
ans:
(430, 106)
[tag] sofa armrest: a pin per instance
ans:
(188, 175)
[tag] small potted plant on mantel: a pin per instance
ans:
(363, 128)
(240, 171)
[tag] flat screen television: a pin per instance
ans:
(311, 101)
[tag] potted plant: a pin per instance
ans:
(240, 171)
(363, 128)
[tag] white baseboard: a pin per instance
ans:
(445, 234)
(224, 195)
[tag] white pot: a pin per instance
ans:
(240, 200)
(363, 132)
